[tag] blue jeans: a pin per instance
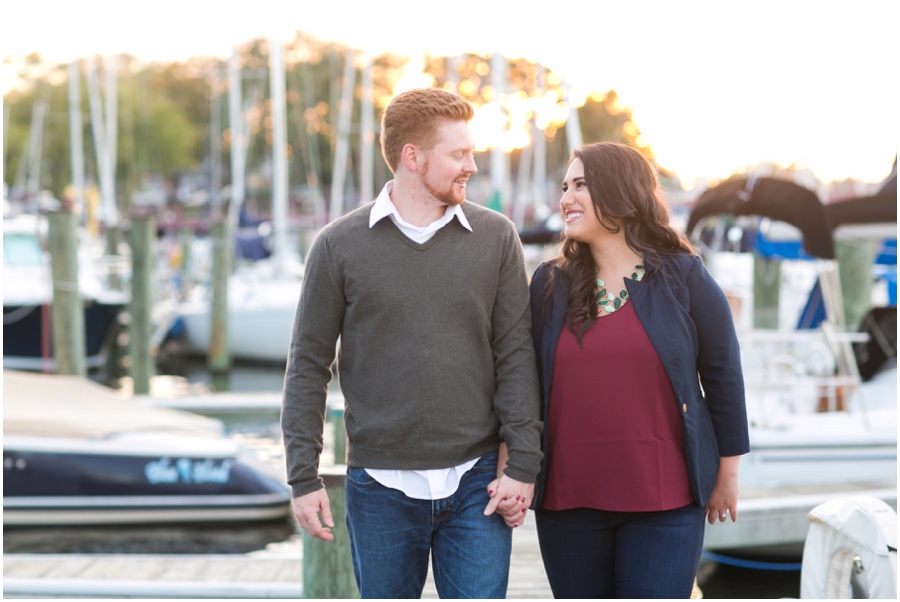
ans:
(391, 536)
(598, 554)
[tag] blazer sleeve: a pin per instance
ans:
(719, 361)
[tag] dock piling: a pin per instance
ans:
(219, 355)
(67, 312)
(143, 235)
(327, 566)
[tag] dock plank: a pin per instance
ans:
(184, 569)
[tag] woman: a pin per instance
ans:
(627, 326)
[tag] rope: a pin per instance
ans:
(18, 314)
(752, 564)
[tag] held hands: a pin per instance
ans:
(307, 508)
(510, 499)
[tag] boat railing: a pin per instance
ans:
(798, 372)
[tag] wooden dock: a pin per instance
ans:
(764, 517)
(263, 574)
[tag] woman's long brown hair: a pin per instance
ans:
(624, 189)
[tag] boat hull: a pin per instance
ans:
(80, 489)
(22, 335)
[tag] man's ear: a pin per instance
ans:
(409, 155)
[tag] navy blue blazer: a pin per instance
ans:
(688, 320)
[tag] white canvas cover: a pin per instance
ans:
(41, 405)
(842, 531)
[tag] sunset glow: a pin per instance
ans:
(713, 87)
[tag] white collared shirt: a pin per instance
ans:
(384, 207)
(438, 483)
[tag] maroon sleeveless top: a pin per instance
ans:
(614, 425)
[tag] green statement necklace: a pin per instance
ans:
(610, 303)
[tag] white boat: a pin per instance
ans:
(75, 452)
(817, 431)
(261, 311)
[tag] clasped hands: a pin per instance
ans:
(509, 499)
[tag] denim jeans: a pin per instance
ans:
(598, 554)
(391, 536)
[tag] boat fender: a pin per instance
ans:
(850, 550)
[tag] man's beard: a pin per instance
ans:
(449, 196)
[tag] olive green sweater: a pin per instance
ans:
(436, 362)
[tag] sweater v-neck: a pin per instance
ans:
(424, 246)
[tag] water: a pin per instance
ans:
(263, 438)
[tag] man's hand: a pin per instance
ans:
(307, 508)
(510, 499)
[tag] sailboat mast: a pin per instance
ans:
(367, 135)
(279, 154)
(35, 148)
(342, 150)
(76, 143)
(499, 158)
(573, 123)
(238, 143)
(102, 147)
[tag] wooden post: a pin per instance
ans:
(855, 259)
(766, 288)
(327, 565)
(336, 418)
(143, 235)
(185, 236)
(67, 312)
(113, 236)
(218, 358)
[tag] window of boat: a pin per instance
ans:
(22, 250)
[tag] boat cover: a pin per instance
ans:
(852, 541)
(73, 407)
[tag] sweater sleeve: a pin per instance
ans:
(517, 397)
(719, 361)
(317, 325)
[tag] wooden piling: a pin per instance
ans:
(855, 259)
(327, 565)
(67, 311)
(766, 292)
(219, 356)
(113, 237)
(143, 236)
(335, 417)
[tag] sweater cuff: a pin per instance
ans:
(519, 475)
(306, 487)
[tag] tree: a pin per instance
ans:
(603, 120)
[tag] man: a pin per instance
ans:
(429, 296)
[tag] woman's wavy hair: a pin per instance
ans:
(624, 190)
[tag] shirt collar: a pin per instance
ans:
(384, 207)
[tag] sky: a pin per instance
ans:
(713, 86)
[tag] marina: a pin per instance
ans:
(156, 229)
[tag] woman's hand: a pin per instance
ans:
(514, 499)
(513, 508)
(724, 496)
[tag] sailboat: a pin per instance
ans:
(262, 296)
